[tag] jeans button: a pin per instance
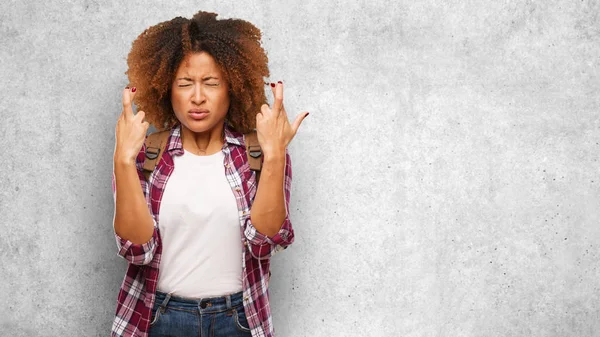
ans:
(203, 305)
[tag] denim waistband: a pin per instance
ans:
(203, 305)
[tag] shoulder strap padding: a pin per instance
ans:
(156, 143)
(254, 152)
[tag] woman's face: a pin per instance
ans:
(199, 93)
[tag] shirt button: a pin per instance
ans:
(237, 189)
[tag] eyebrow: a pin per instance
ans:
(204, 79)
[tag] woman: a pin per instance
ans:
(199, 233)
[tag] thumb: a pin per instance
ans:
(298, 121)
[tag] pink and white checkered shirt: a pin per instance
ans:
(137, 294)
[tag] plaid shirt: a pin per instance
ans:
(137, 294)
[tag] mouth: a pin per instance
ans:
(198, 114)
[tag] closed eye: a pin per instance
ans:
(187, 85)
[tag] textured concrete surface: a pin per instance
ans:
(445, 184)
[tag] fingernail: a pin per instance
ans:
(133, 89)
(279, 82)
(273, 85)
(127, 88)
(308, 113)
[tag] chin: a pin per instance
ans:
(199, 126)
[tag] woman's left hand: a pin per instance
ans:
(273, 128)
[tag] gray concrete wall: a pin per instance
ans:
(445, 184)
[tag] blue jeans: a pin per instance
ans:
(215, 317)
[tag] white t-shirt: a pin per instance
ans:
(200, 230)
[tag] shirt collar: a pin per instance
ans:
(232, 137)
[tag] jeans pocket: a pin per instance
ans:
(239, 315)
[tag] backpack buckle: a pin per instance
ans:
(152, 152)
(254, 151)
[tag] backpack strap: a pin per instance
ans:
(156, 143)
(254, 153)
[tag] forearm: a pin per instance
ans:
(268, 209)
(132, 220)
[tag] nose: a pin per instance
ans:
(198, 95)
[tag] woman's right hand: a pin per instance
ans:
(131, 130)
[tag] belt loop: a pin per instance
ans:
(228, 301)
(164, 303)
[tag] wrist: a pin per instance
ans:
(123, 161)
(274, 155)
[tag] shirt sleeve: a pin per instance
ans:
(139, 254)
(262, 246)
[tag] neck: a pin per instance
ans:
(203, 143)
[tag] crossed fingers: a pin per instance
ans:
(278, 109)
(127, 112)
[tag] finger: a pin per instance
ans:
(265, 110)
(127, 98)
(273, 89)
(282, 110)
(140, 115)
(298, 121)
(283, 113)
(278, 102)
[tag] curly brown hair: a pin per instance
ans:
(234, 44)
